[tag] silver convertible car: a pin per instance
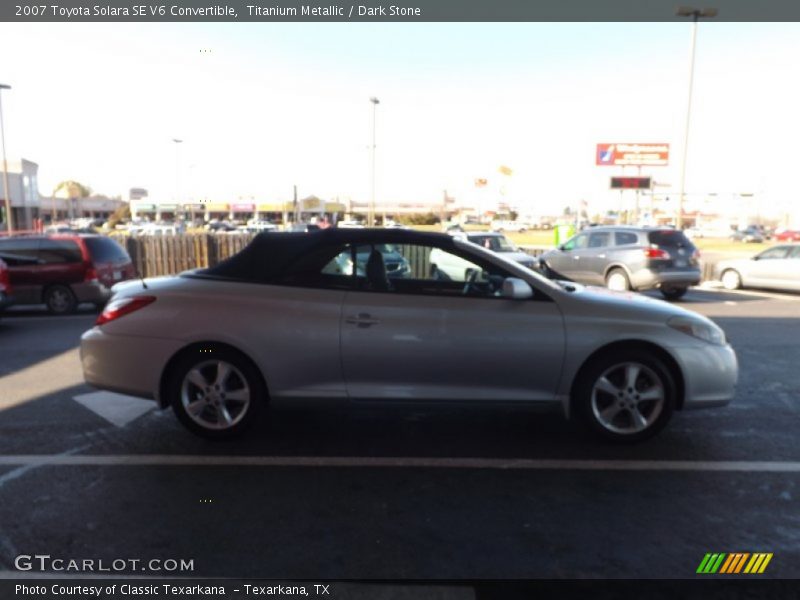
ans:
(290, 319)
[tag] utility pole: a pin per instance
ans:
(9, 218)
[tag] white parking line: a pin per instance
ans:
(168, 460)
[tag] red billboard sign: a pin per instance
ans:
(635, 155)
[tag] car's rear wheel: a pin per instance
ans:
(215, 393)
(617, 280)
(673, 292)
(60, 300)
(731, 280)
(625, 396)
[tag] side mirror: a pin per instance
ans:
(563, 248)
(516, 289)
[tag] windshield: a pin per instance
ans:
(508, 264)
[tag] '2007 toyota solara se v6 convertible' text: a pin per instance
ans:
(298, 316)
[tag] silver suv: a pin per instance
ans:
(627, 258)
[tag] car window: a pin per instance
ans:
(105, 250)
(795, 252)
(59, 252)
(669, 238)
(496, 243)
(599, 239)
(625, 238)
(777, 252)
(577, 243)
(19, 252)
(425, 270)
(327, 267)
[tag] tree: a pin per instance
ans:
(123, 213)
(74, 189)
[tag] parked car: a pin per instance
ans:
(5, 286)
(788, 235)
(627, 258)
(497, 242)
(64, 270)
(258, 225)
(777, 267)
(749, 235)
(352, 224)
(501, 225)
(276, 323)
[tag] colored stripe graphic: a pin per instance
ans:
(711, 563)
(733, 563)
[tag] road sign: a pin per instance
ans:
(630, 183)
(637, 155)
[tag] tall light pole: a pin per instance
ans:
(371, 219)
(695, 14)
(177, 173)
(9, 219)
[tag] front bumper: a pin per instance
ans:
(126, 364)
(709, 372)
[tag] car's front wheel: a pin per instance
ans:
(215, 393)
(625, 396)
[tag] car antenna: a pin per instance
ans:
(144, 284)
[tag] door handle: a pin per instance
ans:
(362, 320)
(601, 256)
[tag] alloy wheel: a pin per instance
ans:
(627, 398)
(215, 395)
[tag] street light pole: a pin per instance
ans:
(9, 219)
(695, 13)
(371, 220)
(177, 174)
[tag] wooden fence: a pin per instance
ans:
(170, 254)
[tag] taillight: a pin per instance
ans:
(121, 307)
(91, 273)
(656, 253)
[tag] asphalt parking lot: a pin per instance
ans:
(417, 492)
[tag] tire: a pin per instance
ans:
(617, 279)
(674, 293)
(60, 300)
(596, 395)
(198, 380)
(731, 280)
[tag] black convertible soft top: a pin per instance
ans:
(271, 253)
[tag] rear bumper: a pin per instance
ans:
(126, 364)
(92, 291)
(648, 278)
(710, 373)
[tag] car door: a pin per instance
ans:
(595, 257)
(21, 255)
(768, 269)
(434, 337)
(568, 259)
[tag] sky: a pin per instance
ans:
(261, 107)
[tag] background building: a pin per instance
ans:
(23, 191)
